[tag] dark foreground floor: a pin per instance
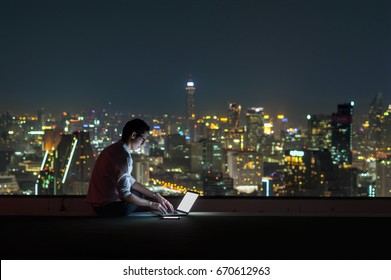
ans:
(198, 236)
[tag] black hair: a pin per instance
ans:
(136, 125)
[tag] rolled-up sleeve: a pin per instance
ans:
(124, 185)
(126, 179)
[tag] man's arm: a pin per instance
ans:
(134, 199)
(154, 196)
(145, 191)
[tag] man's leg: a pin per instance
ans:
(113, 209)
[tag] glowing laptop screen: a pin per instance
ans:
(187, 201)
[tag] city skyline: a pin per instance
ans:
(358, 120)
(291, 57)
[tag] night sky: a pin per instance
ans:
(292, 57)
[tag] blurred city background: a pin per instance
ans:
(247, 151)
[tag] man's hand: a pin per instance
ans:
(158, 206)
(167, 205)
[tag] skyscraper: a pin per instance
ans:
(342, 134)
(254, 128)
(246, 169)
(190, 113)
(74, 163)
(375, 120)
(233, 115)
(309, 173)
(319, 131)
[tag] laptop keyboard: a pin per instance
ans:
(175, 213)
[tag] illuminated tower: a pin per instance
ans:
(235, 138)
(190, 113)
(233, 115)
(319, 131)
(254, 128)
(342, 130)
(62, 156)
(280, 127)
(246, 168)
(81, 162)
(46, 183)
(309, 173)
(375, 119)
(383, 179)
(74, 163)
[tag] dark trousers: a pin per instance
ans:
(115, 209)
(119, 208)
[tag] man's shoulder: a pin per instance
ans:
(116, 149)
(113, 146)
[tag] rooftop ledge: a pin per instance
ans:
(292, 206)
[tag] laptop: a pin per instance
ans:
(184, 206)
